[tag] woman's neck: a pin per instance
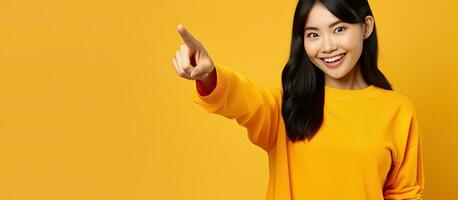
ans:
(352, 81)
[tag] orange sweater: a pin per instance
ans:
(368, 148)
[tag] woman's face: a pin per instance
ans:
(332, 45)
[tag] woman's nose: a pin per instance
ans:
(329, 44)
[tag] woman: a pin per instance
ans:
(336, 129)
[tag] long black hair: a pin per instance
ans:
(303, 82)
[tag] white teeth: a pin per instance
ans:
(333, 59)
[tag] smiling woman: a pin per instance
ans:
(336, 129)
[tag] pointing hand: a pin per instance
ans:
(192, 60)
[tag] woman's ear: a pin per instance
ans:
(368, 26)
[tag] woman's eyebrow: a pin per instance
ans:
(331, 25)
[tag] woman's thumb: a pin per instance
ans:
(195, 72)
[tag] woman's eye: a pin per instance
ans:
(340, 29)
(312, 34)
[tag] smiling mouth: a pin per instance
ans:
(333, 59)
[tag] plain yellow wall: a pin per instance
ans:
(91, 107)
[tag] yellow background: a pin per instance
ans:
(91, 107)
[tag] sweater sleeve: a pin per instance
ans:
(236, 96)
(406, 178)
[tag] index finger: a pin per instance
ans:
(188, 39)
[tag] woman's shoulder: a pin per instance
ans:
(398, 98)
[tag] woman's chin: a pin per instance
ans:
(335, 74)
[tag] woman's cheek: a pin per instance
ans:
(310, 49)
(352, 41)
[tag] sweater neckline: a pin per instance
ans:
(351, 94)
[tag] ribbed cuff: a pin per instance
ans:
(213, 101)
